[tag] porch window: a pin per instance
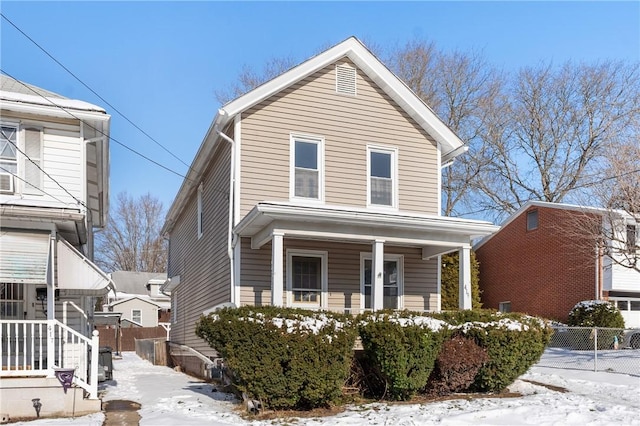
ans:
(136, 315)
(307, 278)
(11, 301)
(392, 282)
(382, 182)
(307, 168)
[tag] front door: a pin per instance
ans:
(391, 283)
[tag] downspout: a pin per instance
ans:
(231, 237)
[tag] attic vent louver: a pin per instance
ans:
(345, 80)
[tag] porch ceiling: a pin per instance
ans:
(435, 234)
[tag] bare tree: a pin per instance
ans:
(250, 78)
(131, 241)
(549, 142)
(462, 89)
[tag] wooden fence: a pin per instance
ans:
(128, 337)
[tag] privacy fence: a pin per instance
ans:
(594, 349)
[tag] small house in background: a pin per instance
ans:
(543, 261)
(138, 298)
(319, 189)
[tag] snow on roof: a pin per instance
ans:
(124, 297)
(132, 282)
(17, 91)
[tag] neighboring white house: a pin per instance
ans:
(54, 171)
(138, 298)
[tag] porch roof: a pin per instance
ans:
(435, 234)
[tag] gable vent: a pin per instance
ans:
(345, 80)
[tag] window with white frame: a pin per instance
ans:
(632, 239)
(32, 161)
(136, 316)
(306, 278)
(200, 211)
(392, 284)
(8, 157)
(11, 301)
(382, 176)
(307, 174)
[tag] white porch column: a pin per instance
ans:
(277, 267)
(464, 298)
(51, 307)
(377, 272)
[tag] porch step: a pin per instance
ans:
(121, 412)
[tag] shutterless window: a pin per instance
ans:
(504, 307)
(632, 238)
(307, 168)
(306, 283)
(532, 220)
(11, 301)
(136, 315)
(381, 177)
(32, 164)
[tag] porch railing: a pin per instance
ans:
(36, 348)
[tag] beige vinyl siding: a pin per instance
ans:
(202, 263)
(420, 276)
(348, 124)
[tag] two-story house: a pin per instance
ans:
(319, 189)
(544, 260)
(54, 166)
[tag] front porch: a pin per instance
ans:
(345, 260)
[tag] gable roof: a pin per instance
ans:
(550, 205)
(352, 48)
(132, 282)
(146, 299)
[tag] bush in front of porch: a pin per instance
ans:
(285, 358)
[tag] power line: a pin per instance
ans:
(94, 128)
(93, 91)
(30, 184)
(4, 135)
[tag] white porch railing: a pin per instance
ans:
(32, 348)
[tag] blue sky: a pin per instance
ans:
(160, 63)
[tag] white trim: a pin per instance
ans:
(324, 278)
(387, 257)
(237, 262)
(38, 189)
(276, 269)
(319, 142)
(439, 285)
(439, 172)
(139, 321)
(393, 152)
(199, 212)
(237, 136)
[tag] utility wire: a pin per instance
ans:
(4, 135)
(94, 128)
(30, 184)
(93, 91)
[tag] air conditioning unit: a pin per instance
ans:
(6, 183)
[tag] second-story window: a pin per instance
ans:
(33, 161)
(632, 239)
(382, 183)
(8, 157)
(306, 168)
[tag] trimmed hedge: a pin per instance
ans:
(514, 342)
(285, 358)
(401, 349)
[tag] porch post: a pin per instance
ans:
(377, 281)
(276, 269)
(51, 337)
(464, 256)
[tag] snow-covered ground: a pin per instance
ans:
(171, 398)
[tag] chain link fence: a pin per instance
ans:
(595, 349)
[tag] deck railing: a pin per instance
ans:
(36, 348)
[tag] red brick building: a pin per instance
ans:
(541, 263)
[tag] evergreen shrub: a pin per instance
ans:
(285, 358)
(595, 313)
(514, 342)
(401, 349)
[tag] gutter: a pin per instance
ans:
(231, 235)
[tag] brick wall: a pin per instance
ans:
(542, 272)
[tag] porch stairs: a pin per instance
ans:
(34, 357)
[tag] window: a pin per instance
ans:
(307, 278)
(504, 307)
(307, 180)
(392, 281)
(634, 305)
(631, 239)
(532, 220)
(136, 316)
(11, 301)
(381, 166)
(623, 305)
(199, 211)
(8, 157)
